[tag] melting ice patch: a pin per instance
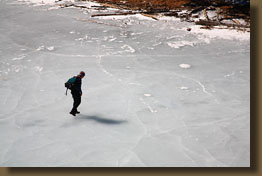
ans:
(179, 44)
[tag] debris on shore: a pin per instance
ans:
(224, 14)
(208, 13)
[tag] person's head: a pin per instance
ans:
(82, 74)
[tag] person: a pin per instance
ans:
(76, 92)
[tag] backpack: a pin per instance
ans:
(70, 83)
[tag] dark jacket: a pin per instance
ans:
(77, 86)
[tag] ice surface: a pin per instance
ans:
(139, 108)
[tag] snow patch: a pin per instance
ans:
(138, 33)
(229, 75)
(51, 48)
(184, 66)
(53, 8)
(167, 18)
(221, 33)
(184, 88)
(89, 4)
(147, 95)
(40, 48)
(112, 39)
(128, 48)
(39, 2)
(179, 44)
(121, 17)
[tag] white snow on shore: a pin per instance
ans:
(221, 33)
(168, 18)
(121, 17)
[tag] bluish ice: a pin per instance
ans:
(154, 93)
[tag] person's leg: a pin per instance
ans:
(77, 101)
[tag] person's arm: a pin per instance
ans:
(80, 87)
(79, 83)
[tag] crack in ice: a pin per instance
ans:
(201, 85)
(102, 67)
(149, 107)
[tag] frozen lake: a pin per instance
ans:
(154, 93)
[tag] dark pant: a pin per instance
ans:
(77, 100)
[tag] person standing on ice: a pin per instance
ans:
(76, 92)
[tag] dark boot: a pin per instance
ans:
(73, 113)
